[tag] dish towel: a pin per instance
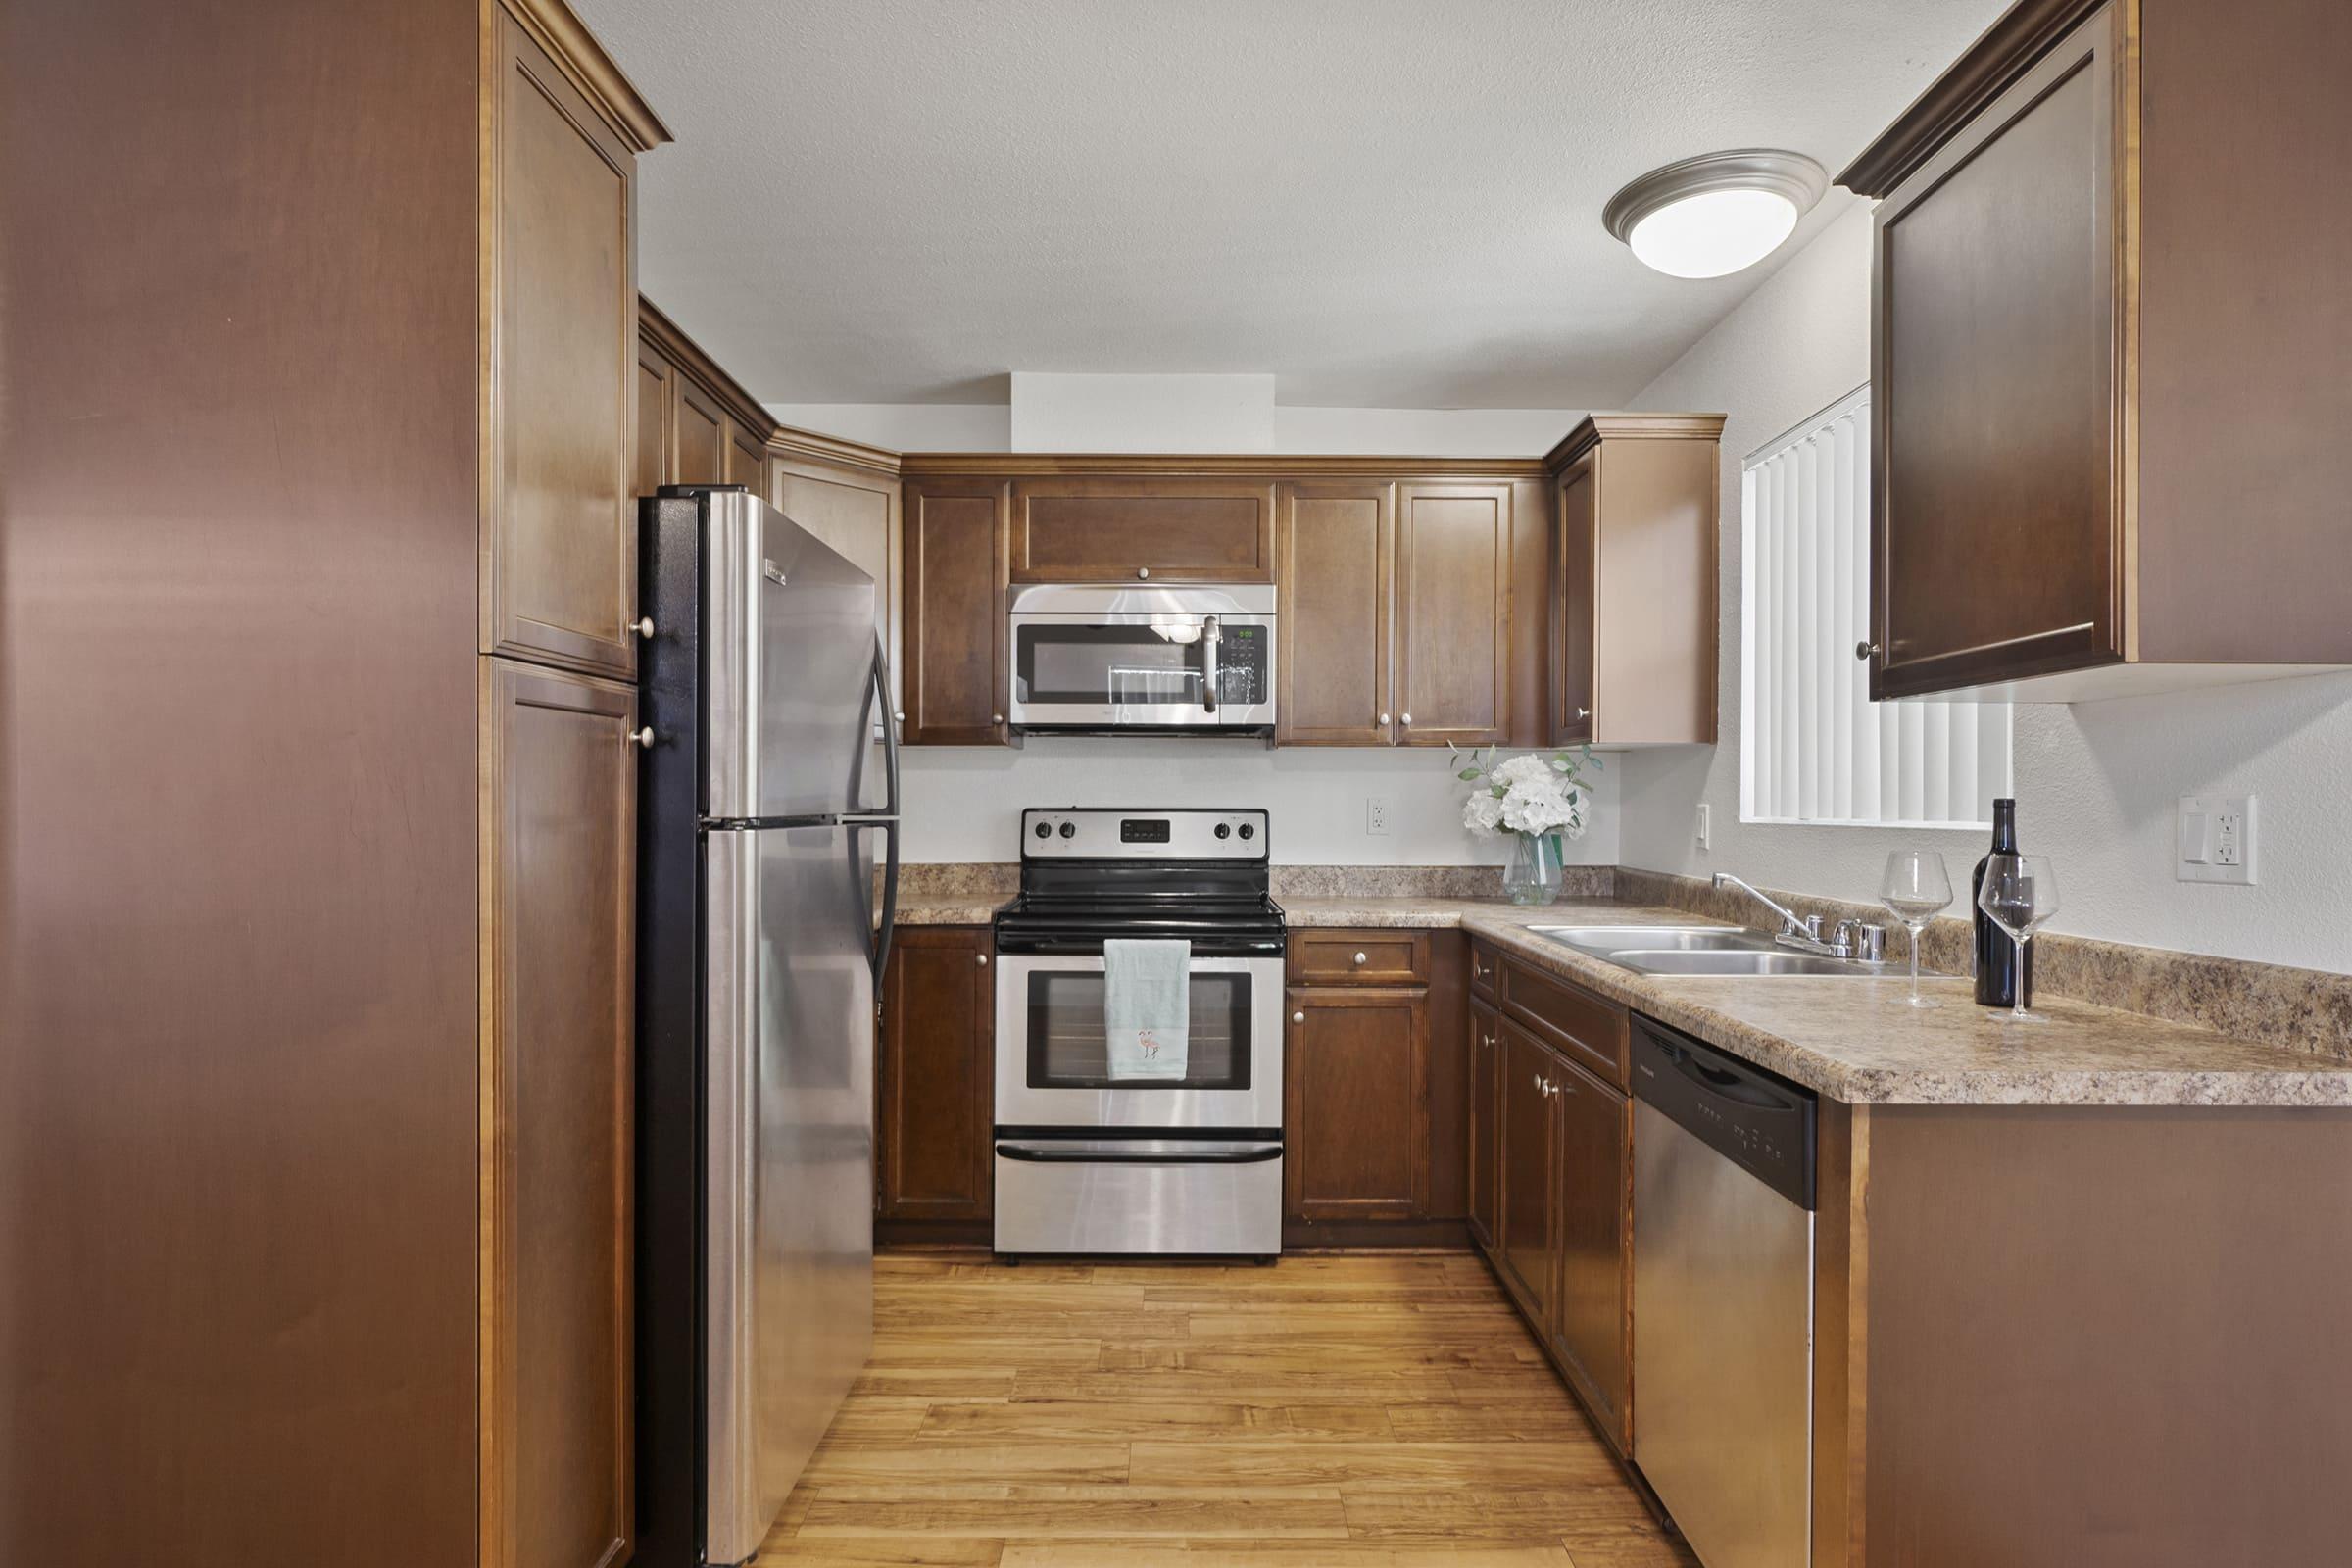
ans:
(1147, 1007)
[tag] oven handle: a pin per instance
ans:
(1049, 1154)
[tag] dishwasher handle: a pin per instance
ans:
(1758, 1121)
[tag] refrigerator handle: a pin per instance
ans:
(889, 901)
(889, 737)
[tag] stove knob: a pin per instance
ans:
(1069, 830)
(1045, 830)
(1223, 831)
(1249, 830)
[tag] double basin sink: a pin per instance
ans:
(1681, 950)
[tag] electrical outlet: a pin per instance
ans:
(1704, 826)
(1376, 816)
(2214, 839)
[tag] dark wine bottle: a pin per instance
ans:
(1997, 977)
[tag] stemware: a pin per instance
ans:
(2020, 892)
(1914, 890)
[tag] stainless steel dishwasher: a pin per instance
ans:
(1723, 1298)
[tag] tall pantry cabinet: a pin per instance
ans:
(315, 830)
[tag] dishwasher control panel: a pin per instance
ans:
(1756, 1119)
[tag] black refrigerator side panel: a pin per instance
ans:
(669, 1046)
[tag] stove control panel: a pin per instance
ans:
(1110, 833)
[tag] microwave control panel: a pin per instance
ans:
(1244, 654)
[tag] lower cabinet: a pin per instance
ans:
(934, 1077)
(1356, 1103)
(559, 822)
(1551, 1162)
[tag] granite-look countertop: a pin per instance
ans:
(1856, 1040)
(947, 909)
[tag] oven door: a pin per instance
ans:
(1052, 1058)
(1175, 669)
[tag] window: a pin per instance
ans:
(1813, 746)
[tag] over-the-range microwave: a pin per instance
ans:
(1093, 659)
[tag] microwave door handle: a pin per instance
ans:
(1211, 635)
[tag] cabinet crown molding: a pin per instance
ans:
(2004, 52)
(840, 452)
(683, 352)
(1256, 465)
(1596, 429)
(568, 38)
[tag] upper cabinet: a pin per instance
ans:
(1634, 575)
(952, 667)
(559, 546)
(2108, 355)
(1337, 544)
(1454, 613)
(713, 430)
(1074, 528)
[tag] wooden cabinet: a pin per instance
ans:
(1592, 1331)
(1633, 612)
(699, 442)
(1591, 1031)
(846, 494)
(558, 926)
(954, 664)
(1367, 957)
(2107, 378)
(1161, 529)
(1453, 613)
(747, 458)
(1525, 1230)
(1485, 1127)
(1336, 552)
(560, 552)
(655, 374)
(1356, 1105)
(933, 1081)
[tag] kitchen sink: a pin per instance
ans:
(1603, 940)
(1733, 961)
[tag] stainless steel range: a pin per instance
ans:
(1089, 1163)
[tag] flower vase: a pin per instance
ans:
(1535, 871)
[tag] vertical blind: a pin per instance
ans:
(1814, 748)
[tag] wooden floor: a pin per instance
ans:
(1362, 1412)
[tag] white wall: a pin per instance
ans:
(2095, 782)
(906, 427)
(1421, 432)
(1057, 413)
(964, 803)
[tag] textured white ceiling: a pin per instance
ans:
(1384, 203)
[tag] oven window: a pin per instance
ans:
(1116, 664)
(1067, 1048)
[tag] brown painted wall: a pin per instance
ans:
(237, 999)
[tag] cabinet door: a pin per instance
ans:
(936, 1077)
(746, 460)
(953, 660)
(1338, 547)
(561, 554)
(1454, 611)
(1485, 1084)
(559, 809)
(1356, 1105)
(654, 376)
(1574, 537)
(1596, 1234)
(1996, 514)
(856, 512)
(1125, 530)
(1528, 1188)
(700, 439)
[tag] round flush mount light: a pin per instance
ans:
(1717, 213)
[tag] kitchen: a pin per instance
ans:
(1034, 785)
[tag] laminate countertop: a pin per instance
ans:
(1859, 1041)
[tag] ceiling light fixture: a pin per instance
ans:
(1715, 213)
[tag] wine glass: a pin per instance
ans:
(1914, 890)
(2020, 892)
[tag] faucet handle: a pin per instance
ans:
(1870, 943)
(1810, 925)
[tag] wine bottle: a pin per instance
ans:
(1997, 977)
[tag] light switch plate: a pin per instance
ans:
(2213, 839)
(1705, 826)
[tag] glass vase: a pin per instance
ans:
(1533, 873)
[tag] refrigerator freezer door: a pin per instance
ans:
(790, 1199)
(788, 649)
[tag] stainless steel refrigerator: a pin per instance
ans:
(764, 812)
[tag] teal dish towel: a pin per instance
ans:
(1148, 1008)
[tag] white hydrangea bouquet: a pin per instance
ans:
(1537, 797)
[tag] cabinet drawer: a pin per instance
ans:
(1359, 957)
(1484, 969)
(1591, 1032)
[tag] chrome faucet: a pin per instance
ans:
(1853, 939)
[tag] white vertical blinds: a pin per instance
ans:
(1814, 748)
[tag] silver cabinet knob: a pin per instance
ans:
(1359, 957)
(899, 715)
(1584, 712)
(1863, 650)
(1407, 717)
(643, 738)
(643, 626)
(981, 959)
(1143, 571)
(995, 718)
(1383, 718)
(1298, 1017)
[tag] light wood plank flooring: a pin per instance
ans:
(1356, 1412)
